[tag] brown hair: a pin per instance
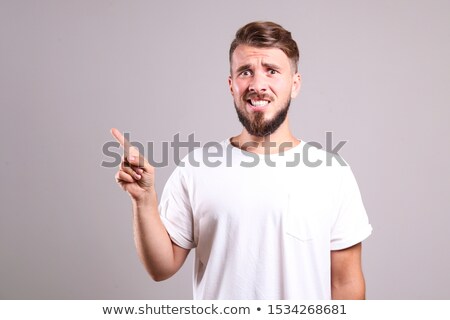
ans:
(266, 34)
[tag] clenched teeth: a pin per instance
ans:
(259, 103)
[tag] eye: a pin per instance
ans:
(272, 71)
(245, 73)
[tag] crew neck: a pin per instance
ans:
(295, 149)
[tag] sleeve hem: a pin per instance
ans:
(351, 241)
(176, 237)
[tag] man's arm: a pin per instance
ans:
(160, 256)
(347, 279)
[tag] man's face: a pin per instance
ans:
(262, 83)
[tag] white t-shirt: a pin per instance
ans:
(262, 227)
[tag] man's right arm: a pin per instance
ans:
(160, 256)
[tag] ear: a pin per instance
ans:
(230, 84)
(296, 84)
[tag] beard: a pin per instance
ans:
(260, 127)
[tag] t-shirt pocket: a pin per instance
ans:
(299, 219)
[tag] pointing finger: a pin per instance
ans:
(120, 138)
(128, 148)
(132, 154)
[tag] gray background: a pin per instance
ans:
(375, 73)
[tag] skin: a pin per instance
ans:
(259, 72)
(347, 279)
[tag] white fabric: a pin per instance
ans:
(263, 232)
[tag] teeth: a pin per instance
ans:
(259, 103)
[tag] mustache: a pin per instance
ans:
(258, 96)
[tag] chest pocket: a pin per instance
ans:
(300, 220)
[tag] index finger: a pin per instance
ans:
(120, 138)
(136, 159)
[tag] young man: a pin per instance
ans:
(264, 225)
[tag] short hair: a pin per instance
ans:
(266, 34)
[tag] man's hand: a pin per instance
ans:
(136, 175)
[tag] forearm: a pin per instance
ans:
(153, 243)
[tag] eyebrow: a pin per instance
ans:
(271, 66)
(265, 64)
(242, 68)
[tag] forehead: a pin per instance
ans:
(244, 54)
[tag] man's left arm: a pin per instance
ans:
(347, 279)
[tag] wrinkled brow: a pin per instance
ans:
(243, 67)
(264, 64)
(271, 66)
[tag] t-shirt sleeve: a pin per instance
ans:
(352, 224)
(176, 212)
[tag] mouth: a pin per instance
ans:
(257, 105)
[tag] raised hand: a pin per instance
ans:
(136, 175)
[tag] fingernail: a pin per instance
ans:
(131, 158)
(138, 176)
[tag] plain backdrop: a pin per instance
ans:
(375, 73)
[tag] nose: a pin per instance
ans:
(258, 83)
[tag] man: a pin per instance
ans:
(263, 224)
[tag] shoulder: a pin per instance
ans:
(204, 155)
(315, 156)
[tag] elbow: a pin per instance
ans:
(157, 272)
(350, 290)
(159, 276)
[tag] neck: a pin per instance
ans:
(280, 139)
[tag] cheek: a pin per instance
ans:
(282, 88)
(238, 88)
(278, 88)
